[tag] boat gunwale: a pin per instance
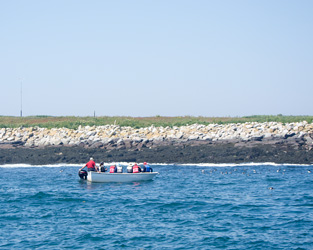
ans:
(120, 177)
(94, 172)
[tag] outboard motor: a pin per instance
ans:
(82, 174)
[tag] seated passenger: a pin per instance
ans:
(119, 168)
(148, 168)
(130, 168)
(102, 168)
(113, 169)
(136, 168)
(143, 168)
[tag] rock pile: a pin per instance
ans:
(115, 137)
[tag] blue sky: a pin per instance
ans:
(147, 58)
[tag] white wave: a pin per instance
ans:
(242, 164)
(60, 165)
(106, 164)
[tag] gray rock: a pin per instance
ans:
(128, 143)
(120, 142)
(308, 139)
(96, 145)
(193, 137)
(91, 133)
(256, 138)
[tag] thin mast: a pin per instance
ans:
(21, 98)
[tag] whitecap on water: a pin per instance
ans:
(157, 164)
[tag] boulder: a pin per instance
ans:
(96, 145)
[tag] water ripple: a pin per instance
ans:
(185, 207)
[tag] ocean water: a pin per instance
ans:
(185, 207)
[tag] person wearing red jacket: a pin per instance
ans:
(113, 169)
(136, 168)
(91, 165)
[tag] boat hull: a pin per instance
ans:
(120, 177)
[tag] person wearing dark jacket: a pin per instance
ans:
(148, 168)
(143, 168)
(102, 168)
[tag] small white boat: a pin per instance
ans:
(93, 176)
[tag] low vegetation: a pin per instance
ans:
(137, 122)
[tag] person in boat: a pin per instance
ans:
(143, 168)
(119, 168)
(113, 169)
(136, 168)
(130, 168)
(91, 165)
(102, 168)
(148, 168)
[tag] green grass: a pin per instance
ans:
(137, 122)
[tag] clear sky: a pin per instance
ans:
(164, 57)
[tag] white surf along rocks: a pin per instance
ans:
(114, 136)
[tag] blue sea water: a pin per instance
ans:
(184, 207)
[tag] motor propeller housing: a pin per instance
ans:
(83, 174)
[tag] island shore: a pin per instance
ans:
(231, 143)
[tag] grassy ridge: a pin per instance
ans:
(137, 122)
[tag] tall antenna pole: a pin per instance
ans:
(21, 98)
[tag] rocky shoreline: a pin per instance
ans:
(213, 143)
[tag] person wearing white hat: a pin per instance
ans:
(130, 168)
(119, 168)
(91, 165)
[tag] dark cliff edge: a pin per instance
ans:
(277, 151)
